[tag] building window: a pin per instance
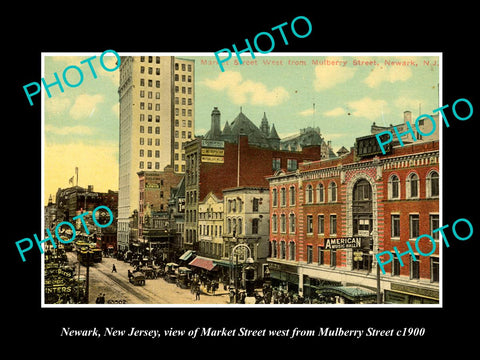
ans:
(321, 224)
(255, 203)
(274, 197)
(320, 193)
(283, 197)
(274, 248)
(292, 164)
(291, 249)
(395, 226)
(309, 254)
(309, 194)
(276, 164)
(394, 187)
(282, 249)
(283, 223)
(395, 265)
(414, 226)
(434, 224)
(433, 187)
(292, 195)
(414, 268)
(309, 224)
(274, 223)
(321, 256)
(333, 258)
(255, 226)
(333, 224)
(332, 192)
(291, 222)
(412, 186)
(434, 269)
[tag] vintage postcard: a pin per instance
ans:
(286, 180)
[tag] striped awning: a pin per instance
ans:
(203, 263)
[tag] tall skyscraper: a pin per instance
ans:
(157, 115)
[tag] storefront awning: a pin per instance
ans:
(186, 255)
(350, 292)
(203, 263)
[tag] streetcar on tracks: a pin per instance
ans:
(86, 250)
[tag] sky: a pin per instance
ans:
(335, 92)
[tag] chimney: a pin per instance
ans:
(407, 116)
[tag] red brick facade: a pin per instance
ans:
(242, 164)
(387, 200)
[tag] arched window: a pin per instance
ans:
(291, 250)
(433, 184)
(282, 249)
(274, 197)
(274, 248)
(320, 193)
(309, 194)
(274, 223)
(283, 196)
(332, 192)
(283, 223)
(292, 195)
(394, 187)
(291, 223)
(412, 186)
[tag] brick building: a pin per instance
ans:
(75, 200)
(330, 218)
(214, 165)
(155, 225)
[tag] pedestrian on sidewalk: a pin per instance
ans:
(114, 269)
(197, 293)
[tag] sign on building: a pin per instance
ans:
(368, 146)
(345, 243)
(213, 144)
(212, 159)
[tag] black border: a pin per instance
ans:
(363, 28)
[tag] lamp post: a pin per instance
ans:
(249, 261)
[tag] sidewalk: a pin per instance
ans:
(218, 292)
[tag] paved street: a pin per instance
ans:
(118, 289)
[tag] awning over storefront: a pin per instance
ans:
(352, 293)
(203, 263)
(186, 255)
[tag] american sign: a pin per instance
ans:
(344, 243)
